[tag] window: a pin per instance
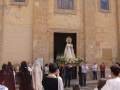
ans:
(65, 6)
(104, 4)
(18, 2)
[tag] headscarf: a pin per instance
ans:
(4, 67)
(9, 67)
(25, 74)
(37, 75)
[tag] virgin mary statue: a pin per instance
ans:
(69, 51)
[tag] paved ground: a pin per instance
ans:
(89, 86)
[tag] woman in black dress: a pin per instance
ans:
(25, 77)
(10, 83)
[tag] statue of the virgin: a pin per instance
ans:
(69, 51)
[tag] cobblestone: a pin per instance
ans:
(90, 85)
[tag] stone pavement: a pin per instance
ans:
(90, 85)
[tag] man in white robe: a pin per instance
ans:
(114, 83)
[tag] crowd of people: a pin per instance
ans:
(31, 77)
(83, 68)
(114, 82)
(8, 80)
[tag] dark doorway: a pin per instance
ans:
(60, 43)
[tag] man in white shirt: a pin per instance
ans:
(84, 73)
(114, 83)
(94, 69)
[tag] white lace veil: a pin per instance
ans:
(37, 75)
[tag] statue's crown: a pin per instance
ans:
(69, 39)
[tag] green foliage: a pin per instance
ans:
(60, 58)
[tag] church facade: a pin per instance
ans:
(27, 29)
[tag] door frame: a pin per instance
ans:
(63, 30)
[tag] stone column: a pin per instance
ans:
(90, 32)
(40, 48)
(1, 17)
(118, 26)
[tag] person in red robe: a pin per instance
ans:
(25, 77)
(10, 83)
(3, 72)
(2, 81)
(102, 69)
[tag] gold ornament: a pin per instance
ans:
(69, 39)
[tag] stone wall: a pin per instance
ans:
(97, 30)
(17, 32)
(41, 35)
(28, 30)
(118, 26)
(90, 32)
(1, 23)
(100, 33)
(46, 22)
(106, 34)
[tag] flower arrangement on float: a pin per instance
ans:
(61, 60)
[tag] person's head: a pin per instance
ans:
(117, 64)
(23, 66)
(69, 42)
(68, 64)
(9, 66)
(114, 71)
(29, 64)
(4, 67)
(94, 63)
(46, 65)
(17, 68)
(102, 63)
(9, 63)
(53, 68)
(85, 63)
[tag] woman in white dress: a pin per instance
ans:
(37, 75)
(69, 51)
